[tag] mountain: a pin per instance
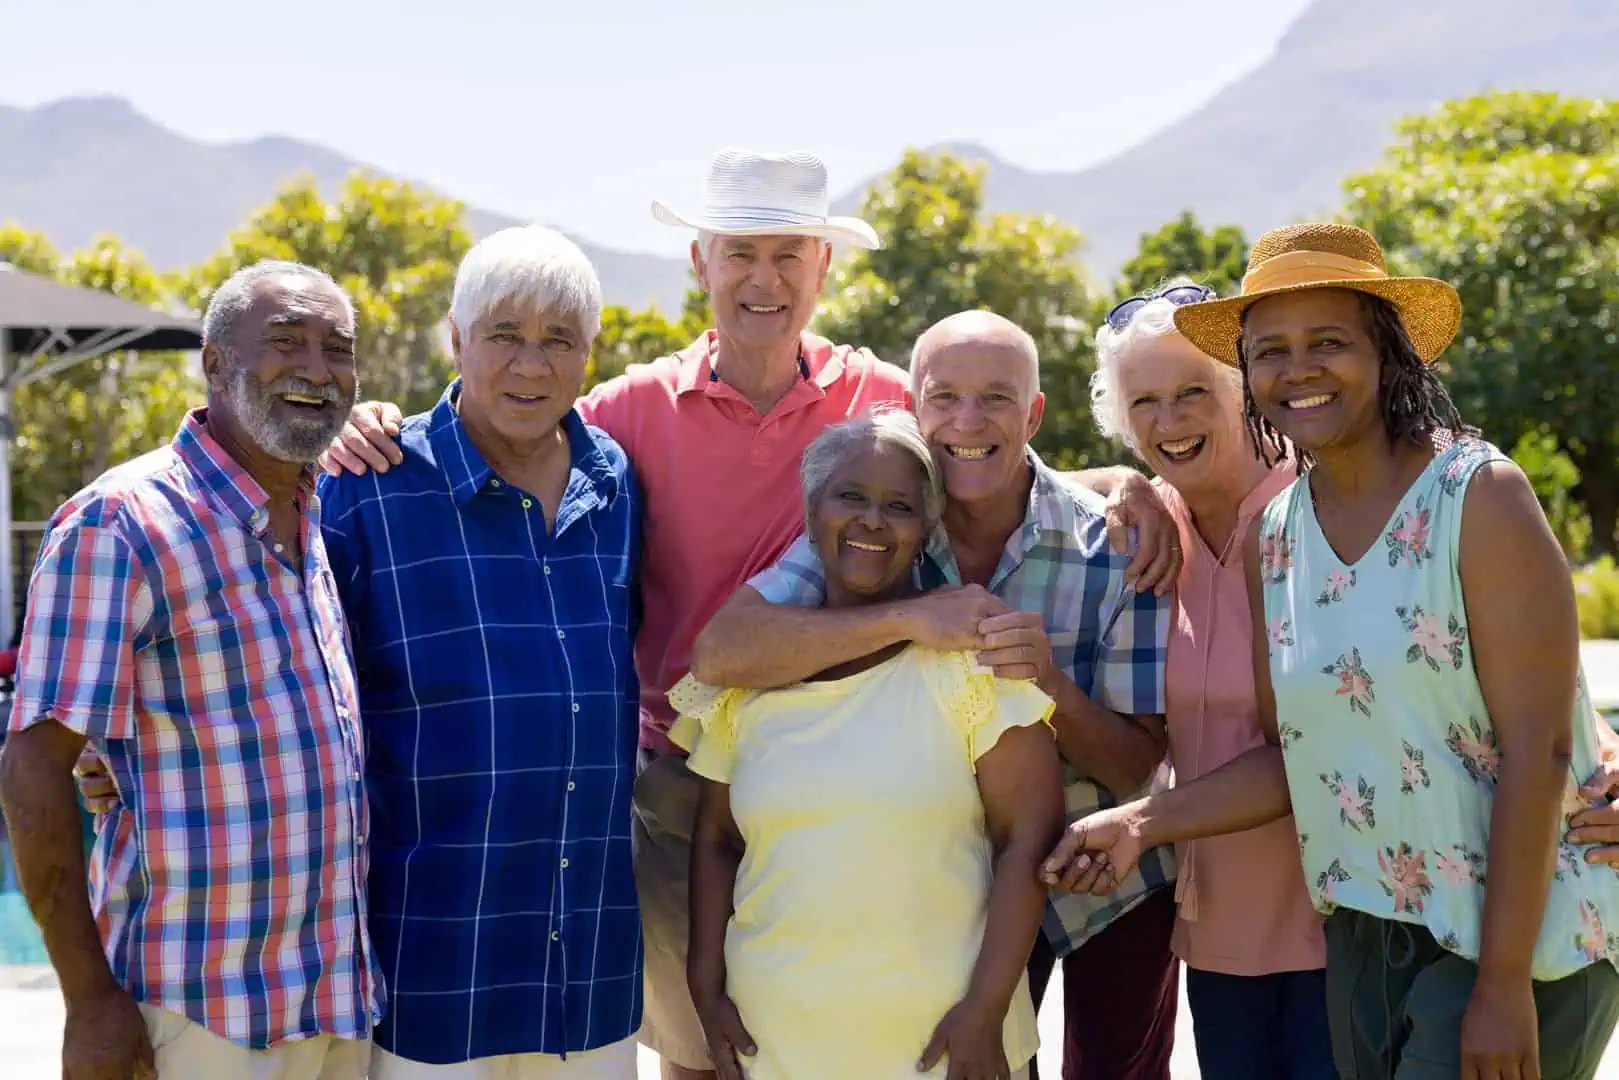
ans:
(1276, 145)
(80, 166)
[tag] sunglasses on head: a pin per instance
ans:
(1122, 312)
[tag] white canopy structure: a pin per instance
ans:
(45, 327)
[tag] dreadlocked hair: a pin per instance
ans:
(1415, 405)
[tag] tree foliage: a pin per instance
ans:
(74, 424)
(1514, 198)
(1217, 258)
(393, 246)
(942, 253)
(638, 337)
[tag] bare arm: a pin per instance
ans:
(1021, 785)
(36, 784)
(716, 852)
(1523, 626)
(1098, 852)
(1117, 751)
(755, 644)
(1247, 791)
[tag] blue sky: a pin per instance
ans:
(581, 113)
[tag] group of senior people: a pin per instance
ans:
(738, 709)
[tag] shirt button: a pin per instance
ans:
(564, 864)
(576, 706)
(495, 482)
(547, 568)
(556, 935)
(279, 548)
(572, 785)
(561, 634)
(527, 502)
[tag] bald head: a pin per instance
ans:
(981, 332)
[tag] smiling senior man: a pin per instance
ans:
(716, 432)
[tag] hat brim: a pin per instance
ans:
(849, 229)
(1430, 309)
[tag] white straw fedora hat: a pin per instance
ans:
(752, 194)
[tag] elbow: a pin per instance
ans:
(707, 660)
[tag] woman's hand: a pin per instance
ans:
(969, 1038)
(1501, 1031)
(728, 1041)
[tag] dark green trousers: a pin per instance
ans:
(1395, 1001)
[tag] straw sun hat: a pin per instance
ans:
(1324, 256)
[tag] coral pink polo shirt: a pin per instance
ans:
(720, 486)
(1243, 906)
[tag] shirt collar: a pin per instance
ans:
(468, 471)
(1051, 510)
(225, 478)
(819, 363)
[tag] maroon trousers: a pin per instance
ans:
(1120, 991)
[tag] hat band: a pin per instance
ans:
(1306, 268)
(763, 215)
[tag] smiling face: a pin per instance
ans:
(520, 370)
(977, 405)
(1184, 411)
(763, 289)
(1313, 368)
(870, 522)
(286, 376)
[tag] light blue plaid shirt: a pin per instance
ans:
(1111, 640)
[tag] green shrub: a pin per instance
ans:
(1596, 591)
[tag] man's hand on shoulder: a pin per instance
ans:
(368, 442)
(948, 618)
(1135, 504)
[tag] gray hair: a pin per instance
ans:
(235, 296)
(884, 427)
(533, 266)
(1020, 337)
(1153, 320)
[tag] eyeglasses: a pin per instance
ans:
(1122, 313)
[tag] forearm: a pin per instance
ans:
(1017, 903)
(754, 644)
(47, 840)
(1242, 794)
(1522, 858)
(1115, 751)
(713, 888)
(1104, 481)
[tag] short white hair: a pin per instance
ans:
(235, 295)
(1154, 319)
(532, 266)
(890, 426)
(1023, 340)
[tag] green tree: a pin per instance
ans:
(638, 337)
(1216, 258)
(393, 246)
(73, 424)
(1514, 198)
(942, 254)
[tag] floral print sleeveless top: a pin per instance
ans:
(1391, 755)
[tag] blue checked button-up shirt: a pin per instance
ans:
(499, 701)
(1111, 640)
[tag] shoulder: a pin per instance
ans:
(1498, 493)
(867, 378)
(639, 387)
(420, 471)
(138, 496)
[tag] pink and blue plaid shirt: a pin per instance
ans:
(165, 624)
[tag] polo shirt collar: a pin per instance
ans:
(224, 478)
(1051, 510)
(820, 363)
(469, 472)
